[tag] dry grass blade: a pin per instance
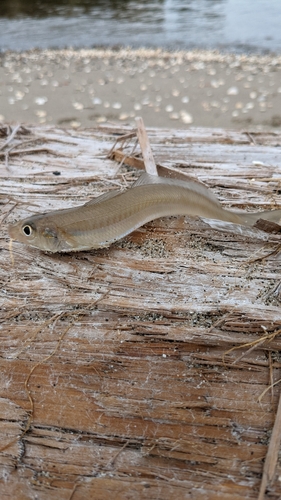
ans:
(270, 387)
(253, 345)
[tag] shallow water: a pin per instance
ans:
(229, 25)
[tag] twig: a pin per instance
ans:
(122, 139)
(148, 159)
(275, 291)
(271, 381)
(256, 343)
(221, 320)
(112, 460)
(169, 172)
(252, 140)
(272, 454)
(11, 136)
(28, 151)
(254, 346)
(267, 226)
(7, 160)
(21, 143)
(73, 491)
(5, 214)
(273, 252)
(269, 179)
(11, 252)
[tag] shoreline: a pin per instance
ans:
(147, 52)
(174, 89)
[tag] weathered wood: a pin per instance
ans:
(148, 159)
(138, 358)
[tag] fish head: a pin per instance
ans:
(40, 233)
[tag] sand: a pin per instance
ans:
(83, 88)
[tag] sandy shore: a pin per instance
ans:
(89, 87)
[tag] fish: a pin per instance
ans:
(112, 216)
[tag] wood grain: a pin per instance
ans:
(127, 353)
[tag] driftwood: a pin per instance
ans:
(149, 369)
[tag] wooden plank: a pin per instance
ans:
(138, 358)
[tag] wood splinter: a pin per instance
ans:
(148, 159)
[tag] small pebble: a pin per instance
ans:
(41, 100)
(41, 113)
(186, 117)
(19, 95)
(96, 100)
(185, 99)
(78, 105)
(101, 119)
(233, 91)
(169, 108)
(123, 116)
(75, 124)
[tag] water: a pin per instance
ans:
(228, 25)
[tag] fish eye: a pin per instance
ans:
(27, 230)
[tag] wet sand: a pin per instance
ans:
(89, 87)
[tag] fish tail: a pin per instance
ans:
(251, 218)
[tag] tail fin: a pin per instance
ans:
(250, 218)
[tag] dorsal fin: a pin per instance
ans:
(146, 178)
(103, 197)
(200, 188)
